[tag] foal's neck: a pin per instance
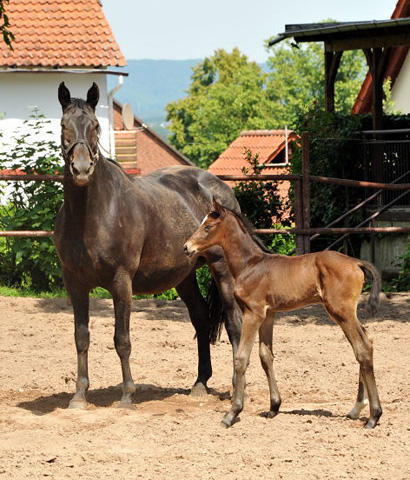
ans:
(239, 248)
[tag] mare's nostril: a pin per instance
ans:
(74, 169)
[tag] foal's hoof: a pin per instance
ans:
(199, 390)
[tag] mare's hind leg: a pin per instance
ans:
(266, 357)
(121, 291)
(189, 292)
(361, 402)
(345, 316)
(80, 301)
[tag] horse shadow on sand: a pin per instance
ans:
(108, 397)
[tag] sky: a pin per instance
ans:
(188, 29)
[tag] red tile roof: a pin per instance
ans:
(59, 33)
(266, 143)
(364, 100)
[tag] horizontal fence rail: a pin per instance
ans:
(299, 179)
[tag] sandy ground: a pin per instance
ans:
(172, 435)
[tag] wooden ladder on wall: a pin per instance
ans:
(126, 148)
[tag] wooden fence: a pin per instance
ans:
(304, 233)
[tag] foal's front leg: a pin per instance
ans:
(122, 297)
(250, 326)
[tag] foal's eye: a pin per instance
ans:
(207, 228)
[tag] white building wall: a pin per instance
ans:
(21, 93)
(401, 88)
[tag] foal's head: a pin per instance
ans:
(208, 234)
(79, 133)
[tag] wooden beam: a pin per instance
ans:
(341, 45)
(332, 62)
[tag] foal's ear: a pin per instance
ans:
(64, 95)
(93, 95)
(219, 209)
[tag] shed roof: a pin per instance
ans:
(266, 143)
(339, 36)
(60, 33)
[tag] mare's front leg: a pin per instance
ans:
(250, 327)
(122, 297)
(79, 296)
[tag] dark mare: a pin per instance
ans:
(266, 283)
(125, 235)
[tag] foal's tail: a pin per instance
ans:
(216, 312)
(374, 298)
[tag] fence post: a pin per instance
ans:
(299, 216)
(305, 190)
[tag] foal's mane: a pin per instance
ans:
(249, 228)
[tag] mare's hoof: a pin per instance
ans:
(78, 404)
(199, 390)
(226, 423)
(126, 405)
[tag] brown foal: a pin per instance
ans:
(266, 283)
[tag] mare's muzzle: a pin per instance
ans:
(81, 162)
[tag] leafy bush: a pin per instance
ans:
(262, 205)
(31, 262)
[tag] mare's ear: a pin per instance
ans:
(64, 95)
(93, 95)
(219, 209)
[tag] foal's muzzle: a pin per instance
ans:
(189, 251)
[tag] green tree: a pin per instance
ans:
(296, 80)
(8, 37)
(226, 96)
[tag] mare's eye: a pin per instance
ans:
(207, 228)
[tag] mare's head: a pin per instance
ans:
(208, 234)
(79, 133)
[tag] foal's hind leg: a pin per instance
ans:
(345, 316)
(122, 296)
(189, 292)
(266, 357)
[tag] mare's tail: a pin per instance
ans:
(374, 298)
(216, 312)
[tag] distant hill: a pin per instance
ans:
(151, 85)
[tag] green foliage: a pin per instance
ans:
(229, 94)
(296, 79)
(402, 282)
(226, 96)
(333, 153)
(262, 205)
(31, 262)
(8, 37)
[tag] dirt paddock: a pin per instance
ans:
(172, 435)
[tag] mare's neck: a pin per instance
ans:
(240, 249)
